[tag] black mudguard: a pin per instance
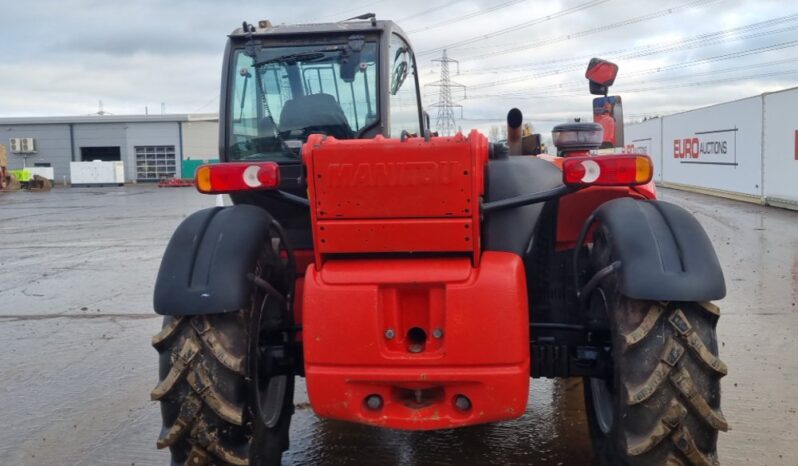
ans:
(664, 252)
(205, 266)
(511, 230)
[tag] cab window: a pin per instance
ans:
(283, 94)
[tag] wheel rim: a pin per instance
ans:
(270, 400)
(601, 393)
(270, 390)
(601, 397)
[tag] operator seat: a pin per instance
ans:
(315, 113)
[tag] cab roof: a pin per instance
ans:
(265, 28)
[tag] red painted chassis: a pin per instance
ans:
(404, 315)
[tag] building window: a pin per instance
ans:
(155, 163)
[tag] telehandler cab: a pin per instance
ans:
(419, 282)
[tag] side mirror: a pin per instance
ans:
(601, 74)
(350, 59)
(608, 112)
(426, 120)
(349, 65)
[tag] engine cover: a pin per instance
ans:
(417, 344)
(394, 196)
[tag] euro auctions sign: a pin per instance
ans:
(716, 147)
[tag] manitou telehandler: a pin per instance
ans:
(419, 282)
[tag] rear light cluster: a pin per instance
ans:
(237, 176)
(607, 170)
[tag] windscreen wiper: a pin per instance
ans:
(268, 111)
(293, 58)
(251, 49)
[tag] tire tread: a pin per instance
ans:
(689, 374)
(206, 417)
(666, 377)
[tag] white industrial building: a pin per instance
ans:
(151, 147)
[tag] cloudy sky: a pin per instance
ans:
(60, 57)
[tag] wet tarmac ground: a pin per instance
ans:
(76, 273)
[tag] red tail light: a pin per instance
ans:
(607, 170)
(237, 176)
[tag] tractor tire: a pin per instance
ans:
(216, 404)
(661, 406)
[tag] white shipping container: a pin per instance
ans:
(781, 147)
(646, 138)
(716, 147)
(97, 172)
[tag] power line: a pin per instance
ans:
(676, 66)
(464, 17)
(596, 30)
(696, 41)
(702, 40)
(655, 88)
(727, 56)
(542, 19)
(426, 12)
(715, 81)
(215, 97)
(341, 14)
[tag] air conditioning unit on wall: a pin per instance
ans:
(22, 145)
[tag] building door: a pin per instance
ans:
(155, 163)
(106, 154)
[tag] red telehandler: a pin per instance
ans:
(419, 282)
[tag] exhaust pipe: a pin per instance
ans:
(514, 121)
